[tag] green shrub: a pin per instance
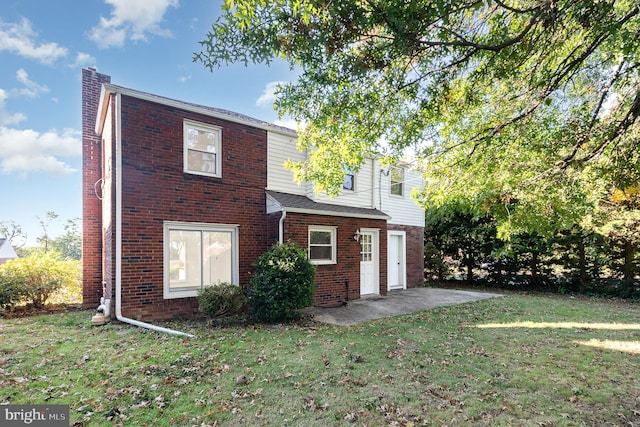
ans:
(283, 281)
(222, 299)
(9, 295)
(32, 279)
(71, 290)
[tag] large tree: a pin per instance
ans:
(525, 108)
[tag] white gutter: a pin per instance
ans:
(281, 227)
(336, 213)
(118, 169)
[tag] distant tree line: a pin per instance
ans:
(68, 246)
(47, 273)
(603, 259)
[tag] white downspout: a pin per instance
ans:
(281, 227)
(118, 170)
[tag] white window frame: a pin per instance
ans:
(334, 251)
(190, 124)
(391, 181)
(202, 227)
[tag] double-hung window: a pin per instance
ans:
(202, 149)
(322, 244)
(198, 255)
(349, 182)
(397, 181)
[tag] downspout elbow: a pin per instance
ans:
(156, 328)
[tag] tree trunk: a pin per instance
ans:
(628, 263)
(534, 268)
(582, 266)
(469, 269)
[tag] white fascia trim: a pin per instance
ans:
(118, 172)
(275, 206)
(334, 213)
(101, 112)
(204, 111)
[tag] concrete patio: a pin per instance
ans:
(393, 304)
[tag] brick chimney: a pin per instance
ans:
(91, 174)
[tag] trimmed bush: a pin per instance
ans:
(9, 294)
(222, 299)
(283, 282)
(32, 279)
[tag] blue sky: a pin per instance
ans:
(143, 44)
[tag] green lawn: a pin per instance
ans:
(521, 360)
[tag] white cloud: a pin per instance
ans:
(131, 19)
(19, 38)
(288, 123)
(23, 151)
(5, 117)
(268, 94)
(83, 59)
(31, 89)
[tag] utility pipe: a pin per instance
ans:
(281, 226)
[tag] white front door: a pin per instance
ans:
(396, 266)
(368, 260)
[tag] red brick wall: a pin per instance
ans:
(415, 253)
(155, 189)
(273, 228)
(91, 206)
(340, 282)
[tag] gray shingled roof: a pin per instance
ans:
(294, 202)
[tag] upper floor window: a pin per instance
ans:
(202, 149)
(349, 180)
(322, 244)
(397, 181)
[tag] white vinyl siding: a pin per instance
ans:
(372, 184)
(361, 197)
(281, 148)
(402, 210)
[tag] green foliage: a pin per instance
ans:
(222, 299)
(434, 265)
(34, 278)
(69, 245)
(9, 294)
(581, 260)
(44, 239)
(283, 281)
(13, 233)
(525, 111)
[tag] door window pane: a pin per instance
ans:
(366, 247)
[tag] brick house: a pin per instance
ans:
(177, 196)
